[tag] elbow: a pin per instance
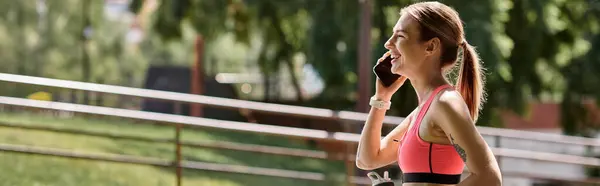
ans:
(361, 164)
(496, 179)
(493, 178)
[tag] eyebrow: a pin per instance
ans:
(400, 30)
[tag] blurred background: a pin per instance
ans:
(273, 92)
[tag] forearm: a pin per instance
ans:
(370, 138)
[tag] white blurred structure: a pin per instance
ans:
(543, 118)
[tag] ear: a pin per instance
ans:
(432, 46)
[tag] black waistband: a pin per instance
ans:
(431, 178)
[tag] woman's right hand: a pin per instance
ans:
(386, 93)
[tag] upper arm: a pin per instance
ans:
(453, 116)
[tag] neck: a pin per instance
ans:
(426, 84)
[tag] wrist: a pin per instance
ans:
(381, 97)
(380, 103)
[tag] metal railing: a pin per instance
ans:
(178, 163)
(180, 121)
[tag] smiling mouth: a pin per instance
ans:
(394, 58)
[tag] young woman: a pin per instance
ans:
(439, 137)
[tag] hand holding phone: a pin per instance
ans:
(383, 71)
(387, 83)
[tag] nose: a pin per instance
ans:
(389, 44)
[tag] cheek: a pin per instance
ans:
(411, 54)
(407, 53)
(404, 48)
(407, 60)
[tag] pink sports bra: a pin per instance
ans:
(427, 162)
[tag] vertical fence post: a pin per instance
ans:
(364, 56)
(590, 149)
(592, 172)
(177, 110)
(498, 144)
(347, 151)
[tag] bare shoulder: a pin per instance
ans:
(450, 106)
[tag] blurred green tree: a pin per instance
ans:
(46, 38)
(533, 50)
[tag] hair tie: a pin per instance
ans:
(461, 50)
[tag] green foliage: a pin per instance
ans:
(531, 49)
(333, 26)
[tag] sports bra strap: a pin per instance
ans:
(428, 103)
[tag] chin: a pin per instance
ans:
(397, 70)
(401, 72)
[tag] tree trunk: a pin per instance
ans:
(295, 81)
(85, 66)
(285, 53)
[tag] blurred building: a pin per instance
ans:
(546, 117)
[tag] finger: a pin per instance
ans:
(385, 55)
(399, 82)
(403, 78)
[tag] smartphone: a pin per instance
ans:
(383, 71)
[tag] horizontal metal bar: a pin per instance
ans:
(86, 155)
(551, 177)
(259, 149)
(275, 108)
(181, 97)
(161, 162)
(539, 136)
(85, 132)
(203, 144)
(360, 180)
(186, 120)
(545, 156)
(254, 170)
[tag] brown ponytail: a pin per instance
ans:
(470, 80)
